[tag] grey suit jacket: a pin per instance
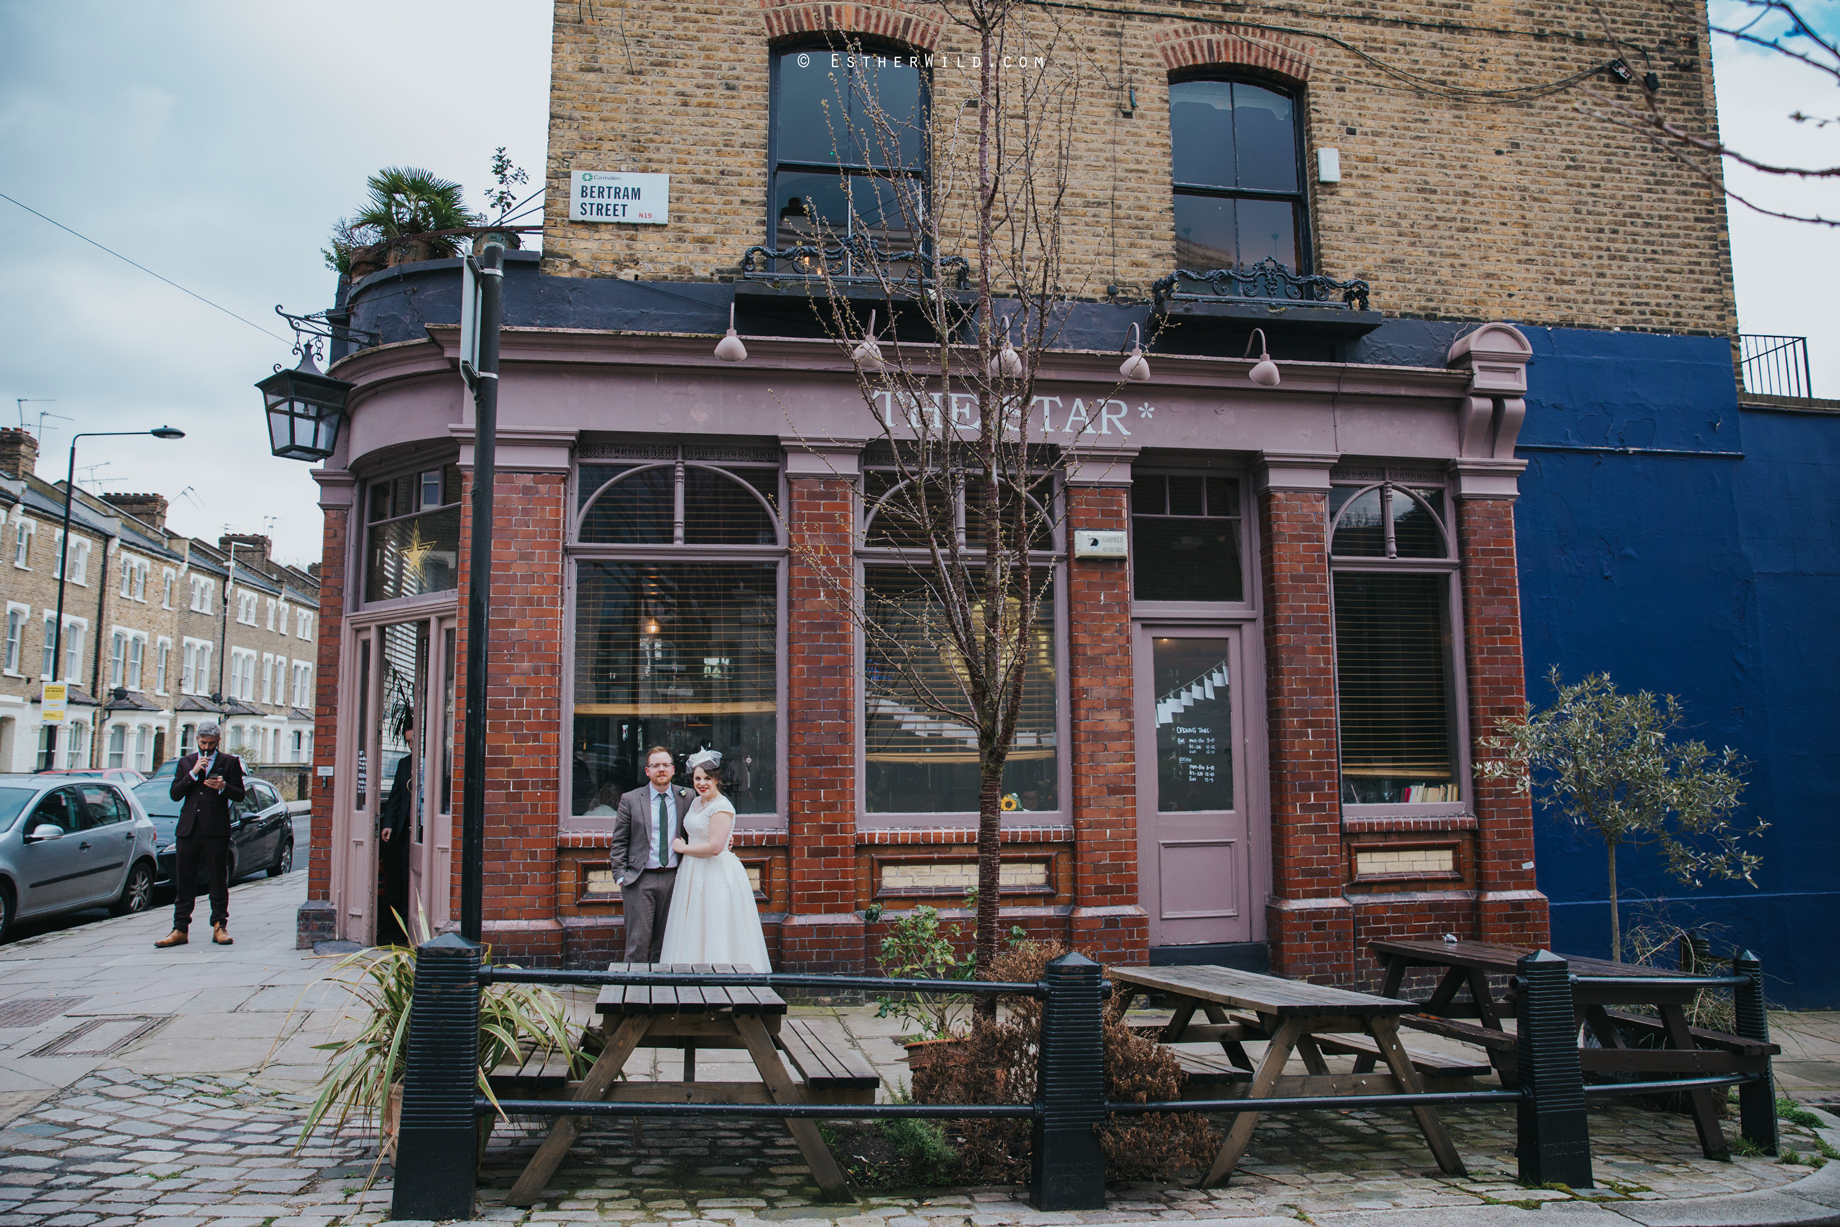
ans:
(632, 830)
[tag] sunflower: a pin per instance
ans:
(1011, 802)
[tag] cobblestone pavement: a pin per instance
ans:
(121, 1148)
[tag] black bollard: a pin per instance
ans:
(1554, 1145)
(437, 1141)
(1756, 1100)
(1069, 1168)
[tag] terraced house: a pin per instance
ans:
(1504, 430)
(145, 630)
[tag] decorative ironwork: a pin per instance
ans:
(332, 324)
(856, 260)
(1266, 281)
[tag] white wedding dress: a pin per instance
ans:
(712, 917)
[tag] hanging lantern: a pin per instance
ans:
(305, 409)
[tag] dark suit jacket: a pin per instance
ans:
(205, 811)
(632, 830)
(394, 817)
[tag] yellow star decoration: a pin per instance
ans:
(416, 550)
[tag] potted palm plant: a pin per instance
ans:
(407, 210)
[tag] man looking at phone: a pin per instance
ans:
(205, 783)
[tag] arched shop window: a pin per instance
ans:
(1236, 162)
(849, 149)
(915, 760)
(1396, 662)
(677, 557)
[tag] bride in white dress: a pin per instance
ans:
(712, 917)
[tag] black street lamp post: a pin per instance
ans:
(491, 262)
(70, 487)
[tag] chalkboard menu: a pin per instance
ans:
(1194, 725)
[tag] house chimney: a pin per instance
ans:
(313, 570)
(18, 453)
(250, 547)
(147, 508)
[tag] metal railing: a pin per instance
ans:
(436, 1168)
(1268, 281)
(856, 260)
(1775, 366)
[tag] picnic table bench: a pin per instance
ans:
(1290, 1016)
(722, 1017)
(1598, 984)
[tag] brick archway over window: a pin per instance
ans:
(911, 25)
(1196, 46)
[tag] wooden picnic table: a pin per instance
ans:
(643, 1016)
(1291, 1016)
(1600, 984)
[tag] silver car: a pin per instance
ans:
(67, 844)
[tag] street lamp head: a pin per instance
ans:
(305, 410)
(167, 432)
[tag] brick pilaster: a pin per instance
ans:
(524, 663)
(1108, 922)
(822, 932)
(1310, 924)
(317, 918)
(1510, 909)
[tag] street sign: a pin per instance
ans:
(619, 196)
(53, 697)
(469, 321)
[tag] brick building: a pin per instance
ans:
(1252, 739)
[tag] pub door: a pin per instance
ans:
(1195, 847)
(404, 753)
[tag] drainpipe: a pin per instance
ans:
(95, 689)
(223, 635)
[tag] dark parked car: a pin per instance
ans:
(68, 845)
(261, 835)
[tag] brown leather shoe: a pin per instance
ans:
(176, 938)
(220, 934)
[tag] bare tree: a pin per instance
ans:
(1771, 24)
(964, 511)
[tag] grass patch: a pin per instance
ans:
(1793, 1112)
(888, 1155)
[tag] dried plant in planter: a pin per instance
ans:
(997, 1065)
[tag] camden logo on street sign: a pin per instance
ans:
(619, 196)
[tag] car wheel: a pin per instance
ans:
(6, 908)
(284, 860)
(136, 892)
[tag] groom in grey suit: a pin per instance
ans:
(647, 820)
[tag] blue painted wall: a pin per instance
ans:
(1714, 577)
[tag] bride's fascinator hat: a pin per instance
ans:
(704, 758)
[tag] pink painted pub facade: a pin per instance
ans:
(1250, 740)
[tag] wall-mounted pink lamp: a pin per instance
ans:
(730, 348)
(1136, 367)
(1265, 372)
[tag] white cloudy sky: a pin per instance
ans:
(215, 142)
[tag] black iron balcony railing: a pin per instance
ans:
(1775, 366)
(1267, 281)
(856, 262)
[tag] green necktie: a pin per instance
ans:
(664, 822)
